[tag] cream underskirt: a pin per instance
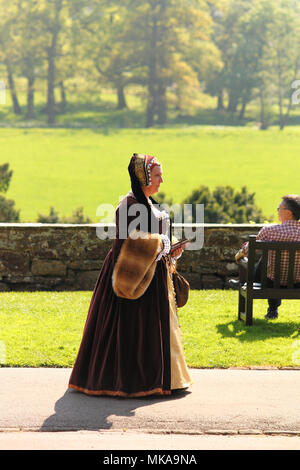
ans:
(180, 376)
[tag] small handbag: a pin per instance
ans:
(182, 289)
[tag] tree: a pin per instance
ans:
(285, 40)
(275, 29)
(253, 58)
(8, 47)
(238, 33)
(52, 10)
(214, 85)
(55, 22)
(30, 59)
(102, 28)
(259, 41)
(5, 177)
(162, 33)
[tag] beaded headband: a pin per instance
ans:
(143, 165)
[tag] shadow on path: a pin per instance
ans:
(77, 411)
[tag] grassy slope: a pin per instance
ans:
(69, 168)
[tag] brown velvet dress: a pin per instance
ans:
(126, 344)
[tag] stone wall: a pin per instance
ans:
(69, 257)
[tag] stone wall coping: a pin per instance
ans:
(40, 225)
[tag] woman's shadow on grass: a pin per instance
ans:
(259, 331)
(76, 411)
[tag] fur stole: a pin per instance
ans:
(135, 266)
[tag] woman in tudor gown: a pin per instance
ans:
(131, 344)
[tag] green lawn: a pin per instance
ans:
(45, 329)
(69, 168)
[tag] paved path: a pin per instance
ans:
(223, 408)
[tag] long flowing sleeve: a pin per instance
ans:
(136, 264)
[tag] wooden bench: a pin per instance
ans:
(252, 290)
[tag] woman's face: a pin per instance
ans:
(156, 179)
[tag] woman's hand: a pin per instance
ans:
(178, 252)
(239, 256)
(242, 253)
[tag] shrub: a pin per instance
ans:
(53, 218)
(8, 213)
(226, 205)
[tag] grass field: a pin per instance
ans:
(44, 329)
(69, 168)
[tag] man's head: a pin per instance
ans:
(289, 208)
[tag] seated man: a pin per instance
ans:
(287, 231)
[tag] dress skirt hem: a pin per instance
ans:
(114, 393)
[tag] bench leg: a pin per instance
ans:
(241, 307)
(249, 312)
(245, 309)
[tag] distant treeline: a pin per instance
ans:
(235, 50)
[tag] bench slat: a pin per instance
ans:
(292, 254)
(276, 245)
(278, 254)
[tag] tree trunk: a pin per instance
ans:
(63, 98)
(287, 114)
(51, 87)
(152, 77)
(280, 104)
(30, 97)
(279, 77)
(152, 100)
(51, 57)
(162, 105)
(150, 108)
(285, 117)
(121, 97)
(243, 108)
(220, 106)
(157, 102)
(161, 87)
(233, 102)
(16, 106)
(283, 122)
(263, 121)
